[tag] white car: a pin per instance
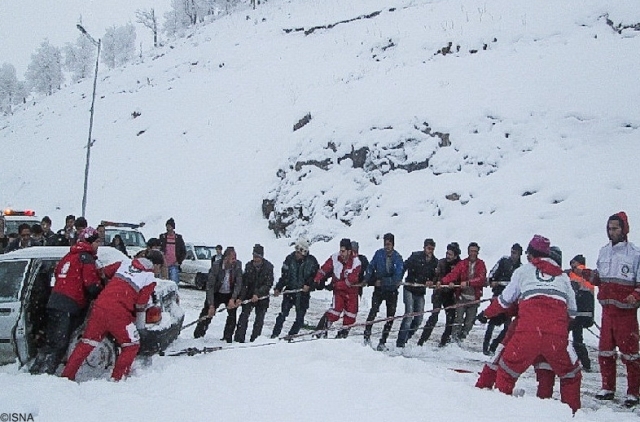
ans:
(26, 277)
(195, 268)
(133, 239)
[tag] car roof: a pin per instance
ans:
(120, 229)
(105, 253)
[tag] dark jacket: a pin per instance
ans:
(16, 244)
(256, 280)
(216, 278)
(181, 248)
(391, 276)
(501, 272)
(585, 300)
(297, 274)
(444, 296)
(419, 271)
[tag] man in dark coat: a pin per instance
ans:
(499, 277)
(256, 283)
(421, 273)
(442, 297)
(223, 287)
(298, 271)
(174, 250)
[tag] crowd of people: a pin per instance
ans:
(536, 302)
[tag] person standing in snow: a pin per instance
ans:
(499, 277)
(218, 254)
(120, 312)
(545, 302)
(174, 250)
(385, 273)
(469, 276)
(618, 280)
(442, 297)
(223, 287)
(344, 268)
(585, 301)
(298, 270)
(421, 274)
(256, 283)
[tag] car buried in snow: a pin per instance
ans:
(26, 277)
(194, 270)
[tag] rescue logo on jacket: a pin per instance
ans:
(545, 278)
(64, 270)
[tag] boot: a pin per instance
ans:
(382, 347)
(631, 401)
(343, 333)
(605, 395)
(200, 331)
(323, 324)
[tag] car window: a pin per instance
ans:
(11, 275)
(202, 252)
(130, 238)
(11, 226)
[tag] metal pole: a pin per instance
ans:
(93, 100)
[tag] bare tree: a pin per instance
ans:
(148, 19)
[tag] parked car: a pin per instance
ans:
(195, 268)
(133, 239)
(26, 277)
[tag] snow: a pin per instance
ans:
(543, 127)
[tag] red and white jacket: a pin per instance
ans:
(476, 278)
(618, 275)
(76, 274)
(345, 274)
(544, 295)
(129, 290)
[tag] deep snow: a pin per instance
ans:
(215, 125)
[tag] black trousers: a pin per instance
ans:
(301, 302)
(260, 307)
(441, 298)
(230, 325)
(578, 344)
(60, 326)
(391, 302)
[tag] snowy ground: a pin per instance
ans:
(544, 128)
(310, 380)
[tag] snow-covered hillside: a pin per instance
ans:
(539, 105)
(456, 120)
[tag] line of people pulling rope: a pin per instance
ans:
(548, 302)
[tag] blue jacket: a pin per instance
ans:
(377, 270)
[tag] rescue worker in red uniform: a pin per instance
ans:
(618, 281)
(78, 280)
(119, 311)
(344, 267)
(545, 302)
(544, 373)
